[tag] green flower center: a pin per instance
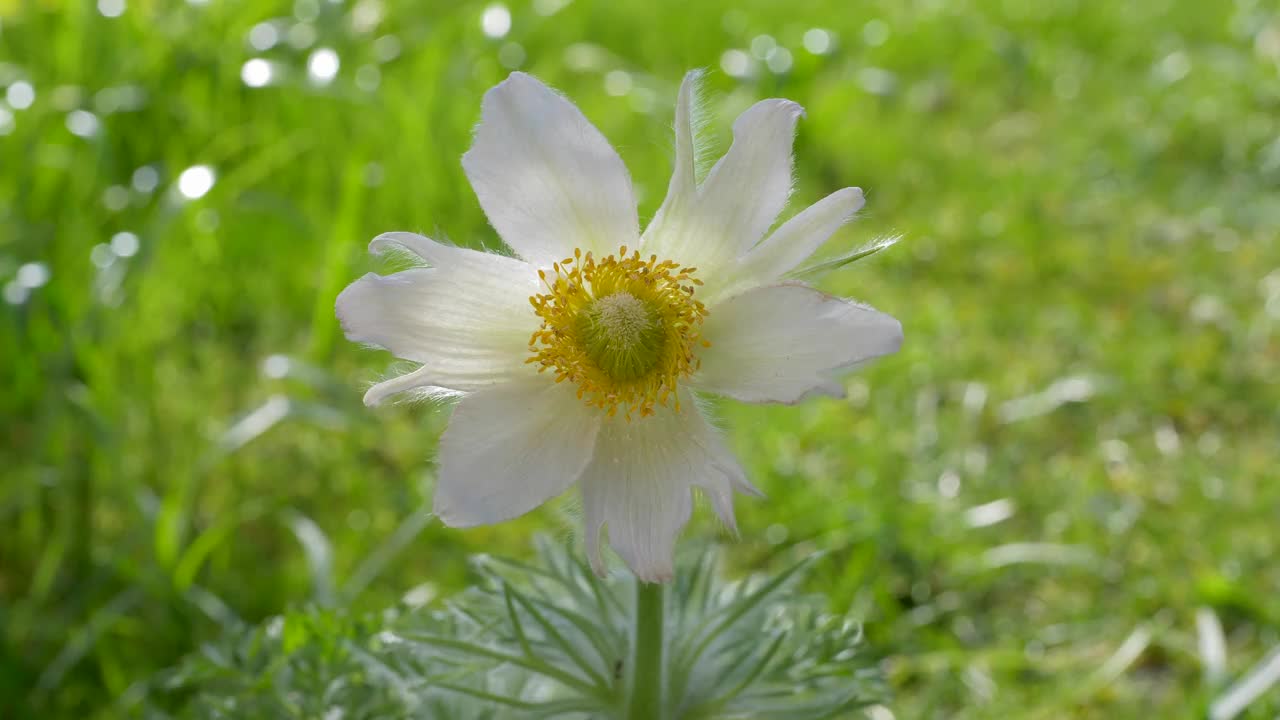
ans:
(622, 335)
(622, 328)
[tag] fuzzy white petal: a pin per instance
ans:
(432, 253)
(750, 185)
(741, 197)
(682, 191)
(799, 237)
(547, 179)
(510, 448)
(467, 320)
(639, 483)
(420, 380)
(782, 342)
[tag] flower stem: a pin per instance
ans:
(645, 702)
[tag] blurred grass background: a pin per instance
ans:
(1059, 500)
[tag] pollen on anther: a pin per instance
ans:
(634, 361)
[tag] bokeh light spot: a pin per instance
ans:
(776, 534)
(195, 181)
(496, 21)
(20, 95)
(302, 36)
(83, 123)
(779, 61)
(111, 8)
(263, 36)
(877, 81)
(306, 10)
(386, 48)
(817, 41)
(15, 293)
(101, 256)
(125, 244)
(32, 275)
(875, 33)
(617, 82)
(583, 57)
(115, 198)
(735, 63)
(276, 366)
(145, 179)
(762, 45)
(1175, 66)
(366, 15)
(256, 72)
(323, 66)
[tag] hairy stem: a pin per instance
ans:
(645, 702)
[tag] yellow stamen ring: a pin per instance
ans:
(622, 329)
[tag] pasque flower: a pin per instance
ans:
(578, 360)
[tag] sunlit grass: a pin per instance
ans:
(1070, 462)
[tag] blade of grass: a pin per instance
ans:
(382, 556)
(1237, 698)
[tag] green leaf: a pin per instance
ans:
(735, 612)
(566, 647)
(539, 640)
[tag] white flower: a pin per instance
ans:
(576, 361)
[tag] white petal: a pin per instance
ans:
(467, 320)
(431, 252)
(799, 237)
(741, 196)
(547, 179)
(639, 482)
(420, 380)
(511, 448)
(779, 343)
(751, 183)
(682, 191)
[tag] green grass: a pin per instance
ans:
(1089, 282)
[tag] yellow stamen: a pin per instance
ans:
(622, 329)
